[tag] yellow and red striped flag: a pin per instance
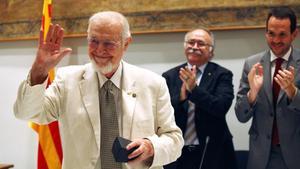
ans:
(49, 150)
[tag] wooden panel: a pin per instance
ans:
(20, 19)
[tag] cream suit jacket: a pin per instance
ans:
(73, 100)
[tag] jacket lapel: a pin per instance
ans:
(129, 95)
(89, 90)
(267, 82)
(207, 76)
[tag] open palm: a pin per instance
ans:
(255, 77)
(49, 53)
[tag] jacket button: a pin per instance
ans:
(268, 137)
(271, 114)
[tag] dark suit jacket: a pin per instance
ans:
(212, 98)
(262, 114)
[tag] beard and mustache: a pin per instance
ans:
(108, 68)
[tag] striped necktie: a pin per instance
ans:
(190, 135)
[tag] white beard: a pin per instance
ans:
(105, 69)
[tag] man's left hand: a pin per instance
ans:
(285, 79)
(188, 77)
(143, 154)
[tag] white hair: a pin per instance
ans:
(211, 48)
(111, 16)
(186, 37)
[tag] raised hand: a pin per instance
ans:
(188, 77)
(49, 54)
(255, 79)
(285, 79)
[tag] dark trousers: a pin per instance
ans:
(217, 156)
(276, 160)
(189, 159)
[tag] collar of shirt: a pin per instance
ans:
(116, 78)
(285, 57)
(198, 76)
(202, 67)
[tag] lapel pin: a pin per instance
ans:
(209, 74)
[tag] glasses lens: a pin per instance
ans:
(94, 43)
(199, 43)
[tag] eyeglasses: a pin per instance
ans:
(108, 44)
(199, 43)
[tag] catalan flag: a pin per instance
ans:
(49, 150)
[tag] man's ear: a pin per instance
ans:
(210, 49)
(295, 33)
(127, 42)
(211, 52)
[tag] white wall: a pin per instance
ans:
(157, 52)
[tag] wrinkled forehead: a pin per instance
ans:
(106, 28)
(200, 35)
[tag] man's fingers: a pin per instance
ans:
(194, 69)
(59, 39)
(292, 70)
(289, 73)
(136, 153)
(259, 70)
(57, 35)
(41, 38)
(136, 160)
(285, 76)
(49, 34)
(253, 70)
(65, 52)
(183, 72)
(54, 34)
(191, 72)
(182, 78)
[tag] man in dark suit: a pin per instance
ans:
(201, 94)
(269, 95)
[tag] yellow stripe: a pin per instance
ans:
(51, 74)
(48, 147)
(34, 126)
(47, 20)
(46, 26)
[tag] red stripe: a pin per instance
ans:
(49, 82)
(43, 23)
(56, 138)
(42, 164)
(50, 10)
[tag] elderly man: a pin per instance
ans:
(269, 95)
(96, 102)
(201, 94)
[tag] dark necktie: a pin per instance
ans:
(276, 89)
(109, 126)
